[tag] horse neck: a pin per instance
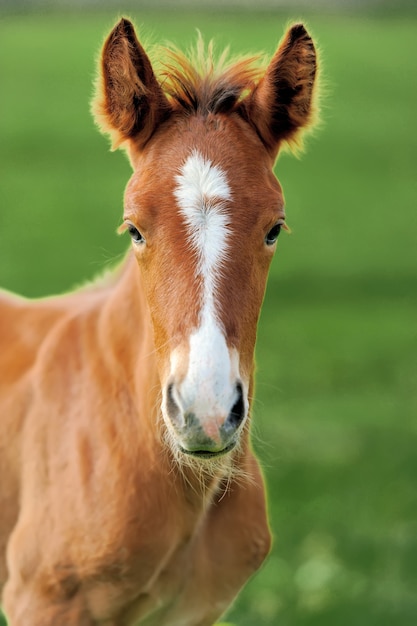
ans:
(126, 343)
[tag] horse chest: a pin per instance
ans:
(144, 588)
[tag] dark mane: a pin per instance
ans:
(199, 82)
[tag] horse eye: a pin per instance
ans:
(272, 236)
(135, 234)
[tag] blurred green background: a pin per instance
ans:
(335, 415)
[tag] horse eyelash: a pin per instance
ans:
(122, 228)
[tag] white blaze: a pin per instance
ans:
(202, 193)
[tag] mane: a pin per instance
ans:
(200, 82)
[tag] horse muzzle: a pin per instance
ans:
(208, 425)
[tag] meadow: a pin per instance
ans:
(335, 416)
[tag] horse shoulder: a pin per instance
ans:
(79, 444)
(24, 326)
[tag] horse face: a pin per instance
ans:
(204, 211)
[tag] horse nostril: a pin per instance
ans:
(172, 407)
(237, 412)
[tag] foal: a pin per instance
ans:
(129, 491)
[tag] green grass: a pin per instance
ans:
(335, 414)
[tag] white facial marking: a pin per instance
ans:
(202, 193)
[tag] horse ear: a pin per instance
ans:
(281, 105)
(129, 101)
